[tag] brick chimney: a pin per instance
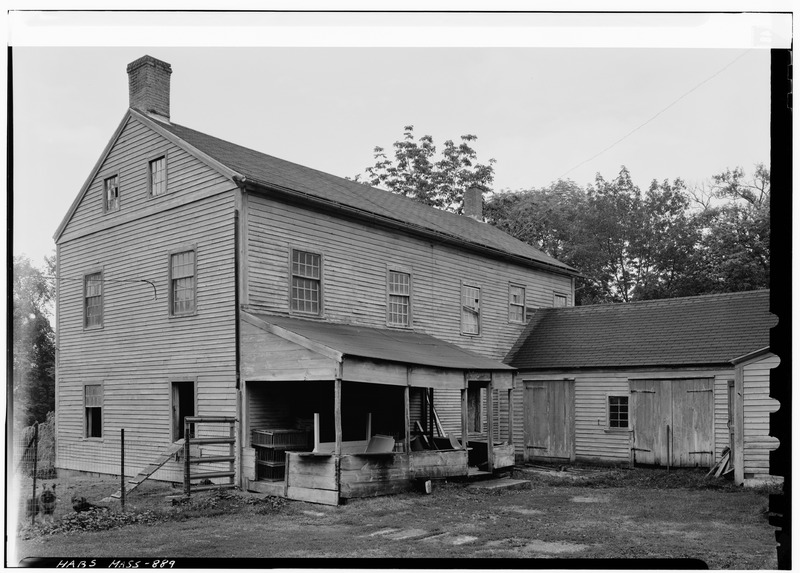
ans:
(473, 203)
(148, 86)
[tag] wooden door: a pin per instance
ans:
(693, 423)
(673, 422)
(650, 416)
(549, 420)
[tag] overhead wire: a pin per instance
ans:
(675, 101)
(151, 283)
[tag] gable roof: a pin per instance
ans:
(709, 329)
(401, 346)
(273, 174)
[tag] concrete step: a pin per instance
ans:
(500, 483)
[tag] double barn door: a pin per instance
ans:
(673, 422)
(549, 420)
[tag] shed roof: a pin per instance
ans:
(270, 172)
(709, 329)
(402, 346)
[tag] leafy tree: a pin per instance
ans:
(33, 341)
(415, 171)
(735, 221)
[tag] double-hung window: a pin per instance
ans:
(111, 193)
(93, 300)
(618, 412)
(399, 299)
(157, 176)
(182, 270)
(93, 410)
(306, 287)
(470, 309)
(516, 303)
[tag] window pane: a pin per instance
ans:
(182, 269)
(516, 304)
(93, 403)
(470, 310)
(305, 295)
(305, 264)
(158, 176)
(93, 310)
(618, 411)
(398, 310)
(559, 300)
(111, 189)
(399, 283)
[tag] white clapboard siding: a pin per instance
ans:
(593, 440)
(757, 407)
(140, 350)
(355, 260)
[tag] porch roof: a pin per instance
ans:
(402, 346)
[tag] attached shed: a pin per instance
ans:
(665, 383)
(336, 411)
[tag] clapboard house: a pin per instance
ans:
(199, 278)
(669, 382)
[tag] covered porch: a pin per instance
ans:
(332, 412)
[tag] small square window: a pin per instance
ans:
(182, 283)
(111, 193)
(93, 300)
(399, 298)
(559, 300)
(516, 303)
(93, 410)
(157, 176)
(618, 412)
(306, 287)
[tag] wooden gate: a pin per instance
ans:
(549, 420)
(673, 422)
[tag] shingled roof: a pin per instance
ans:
(697, 330)
(271, 173)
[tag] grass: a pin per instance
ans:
(610, 514)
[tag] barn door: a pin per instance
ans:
(549, 420)
(650, 415)
(672, 422)
(693, 422)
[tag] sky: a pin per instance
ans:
(567, 106)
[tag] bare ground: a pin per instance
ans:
(615, 515)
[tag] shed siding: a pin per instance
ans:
(140, 349)
(355, 258)
(593, 440)
(757, 408)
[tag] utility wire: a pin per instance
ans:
(634, 130)
(151, 283)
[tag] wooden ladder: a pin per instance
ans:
(163, 458)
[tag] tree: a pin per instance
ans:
(33, 341)
(735, 222)
(415, 172)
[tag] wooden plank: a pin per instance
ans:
(372, 489)
(337, 415)
(407, 419)
(363, 370)
(321, 496)
(503, 455)
(490, 424)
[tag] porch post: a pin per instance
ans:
(407, 418)
(511, 415)
(490, 423)
(464, 413)
(337, 415)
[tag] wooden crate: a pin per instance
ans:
(270, 454)
(279, 437)
(270, 471)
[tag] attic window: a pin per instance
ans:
(306, 281)
(157, 176)
(111, 193)
(470, 310)
(559, 300)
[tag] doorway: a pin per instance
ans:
(673, 422)
(182, 406)
(549, 408)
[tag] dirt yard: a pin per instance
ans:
(613, 514)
